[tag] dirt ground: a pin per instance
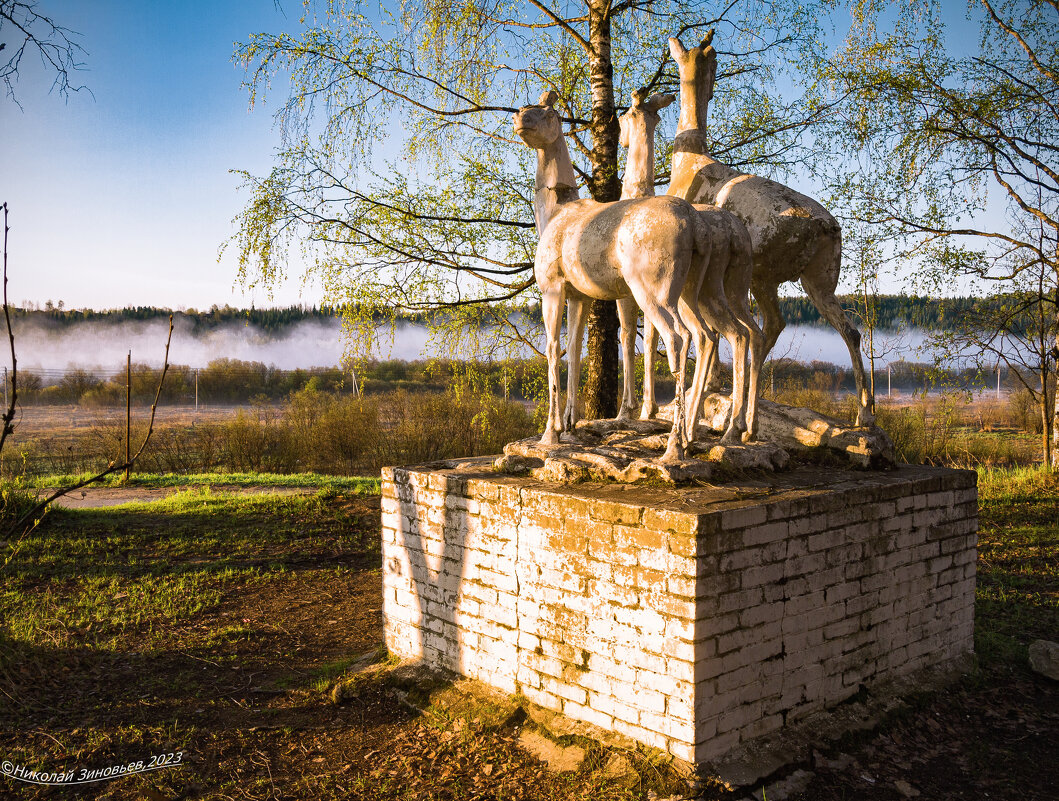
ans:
(243, 692)
(99, 497)
(249, 726)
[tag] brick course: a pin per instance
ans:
(688, 619)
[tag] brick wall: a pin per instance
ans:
(690, 620)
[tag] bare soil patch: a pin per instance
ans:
(100, 497)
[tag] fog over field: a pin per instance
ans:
(100, 345)
(313, 343)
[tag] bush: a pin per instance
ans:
(1026, 411)
(15, 501)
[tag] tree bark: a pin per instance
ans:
(602, 381)
(1044, 388)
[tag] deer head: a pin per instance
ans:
(642, 116)
(539, 125)
(698, 72)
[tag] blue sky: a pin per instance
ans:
(122, 196)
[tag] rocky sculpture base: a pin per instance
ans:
(692, 619)
(800, 429)
(628, 451)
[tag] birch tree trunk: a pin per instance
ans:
(602, 381)
(1044, 387)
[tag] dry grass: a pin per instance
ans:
(313, 431)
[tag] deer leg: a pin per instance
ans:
(552, 312)
(757, 350)
(766, 295)
(575, 329)
(700, 331)
(715, 307)
(627, 314)
(713, 362)
(674, 335)
(649, 409)
(823, 296)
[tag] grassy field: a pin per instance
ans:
(215, 625)
(333, 434)
(363, 484)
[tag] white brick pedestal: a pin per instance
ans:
(692, 619)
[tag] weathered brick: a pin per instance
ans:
(743, 517)
(765, 574)
(532, 590)
(766, 534)
(611, 512)
(740, 600)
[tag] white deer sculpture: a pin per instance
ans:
(644, 249)
(724, 289)
(793, 236)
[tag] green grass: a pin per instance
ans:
(1017, 597)
(94, 575)
(368, 485)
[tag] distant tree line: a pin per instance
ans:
(231, 382)
(236, 382)
(893, 310)
(270, 320)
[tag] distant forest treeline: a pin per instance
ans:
(271, 320)
(891, 311)
(233, 382)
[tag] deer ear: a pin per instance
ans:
(659, 101)
(711, 72)
(548, 98)
(638, 96)
(676, 49)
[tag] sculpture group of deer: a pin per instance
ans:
(688, 259)
(645, 249)
(794, 237)
(724, 284)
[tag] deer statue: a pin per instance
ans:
(794, 237)
(724, 288)
(644, 249)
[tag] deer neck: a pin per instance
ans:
(556, 183)
(639, 178)
(690, 148)
(694, 103)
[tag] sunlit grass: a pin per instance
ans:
(1018, 561)
(361, 484)
(92, 575)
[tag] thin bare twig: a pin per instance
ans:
(9, 415)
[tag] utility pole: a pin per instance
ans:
(196, 389)
(128, 412)
(889, 382)
(998, 380)
(5, 387)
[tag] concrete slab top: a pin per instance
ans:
(801, 482)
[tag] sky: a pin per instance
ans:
(122, 194)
